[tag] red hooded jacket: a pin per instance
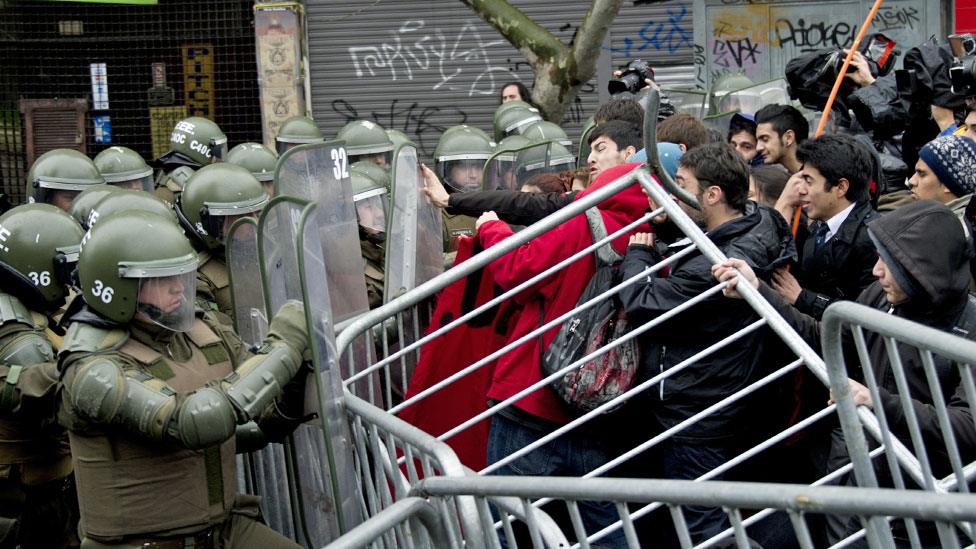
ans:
(556, 295)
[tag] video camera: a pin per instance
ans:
(633, 77)
(962, 72)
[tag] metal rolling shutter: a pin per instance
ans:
(423, 66)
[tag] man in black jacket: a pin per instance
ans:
(836, 254)
(921, 271)
(719, 179)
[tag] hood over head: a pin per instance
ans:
(925, 244)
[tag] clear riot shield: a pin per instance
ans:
(326, 469)
(499, 172)
(752, 98)
(414, 235)
(319, 172)
(542, 157)
(247, 290)
(269, 469)
(687, 101)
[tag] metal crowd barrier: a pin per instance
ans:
(936, 462)
(737, 499)
(379, 321)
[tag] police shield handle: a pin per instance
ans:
(434, 189)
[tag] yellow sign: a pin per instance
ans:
(161, 122)
(198, 76)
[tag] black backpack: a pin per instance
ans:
(602, 378)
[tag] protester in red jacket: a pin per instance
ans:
(574, 453)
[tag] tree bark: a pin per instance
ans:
(559, 69)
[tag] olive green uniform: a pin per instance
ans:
(213, 283)
(373, 257)
(170, 185)
(455, 226)
(37, 499)
(134, 491)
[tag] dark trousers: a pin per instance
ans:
(570, 455)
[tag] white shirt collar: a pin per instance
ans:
(834, 223)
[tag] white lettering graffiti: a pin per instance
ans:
(462, 62)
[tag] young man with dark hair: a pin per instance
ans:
(718, 177)
(779, 131)
(626, 110)
(742, 136)
(611, 144)
(836, 254)
(683, 129)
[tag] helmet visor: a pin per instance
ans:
(167, 300)
(500, 173)
(371, 211)
(62, 198)
(218, 226)
(462, 175)
(144, 183)
(381, 159)
(219, 150)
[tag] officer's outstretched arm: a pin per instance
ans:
(98, 390)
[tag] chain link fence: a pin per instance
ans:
(96, 75)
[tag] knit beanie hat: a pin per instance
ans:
(953, 160)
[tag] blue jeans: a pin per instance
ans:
(688, 460)
(570, 455)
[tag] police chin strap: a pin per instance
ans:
(650, 147)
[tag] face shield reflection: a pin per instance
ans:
(167, 301)
(500, 173)
(371, 212)
(462, 175)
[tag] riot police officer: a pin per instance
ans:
(257, 159)
(38, 252)
(512, 118)
(371, 197)
(194, 143)
(460, 158)
(366, 140)
(82, 205)
(215, 197)
(152, 393)
(297, 130)
(124, 167)
(500, 169)
(59, 175)
(125, 200)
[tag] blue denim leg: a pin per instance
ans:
(688, 460)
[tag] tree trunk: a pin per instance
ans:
(560, 70)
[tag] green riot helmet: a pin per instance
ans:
(584, 146)
(125, 200)
(546, 131)
(372, 204)
(723, 85)
(544, 157)
(297, 130)
(148, 279)
(372, 171)
(512, 117)
(38, 253)
(366, 140)
(124, 167)
(58, 175)
(84, 203)
(399, 138)
(460, 158)
(199, 140)
(257, 159)
(217, 196)
(500, 169)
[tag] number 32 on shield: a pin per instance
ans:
(340, 166)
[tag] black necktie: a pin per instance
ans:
(821, 237)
